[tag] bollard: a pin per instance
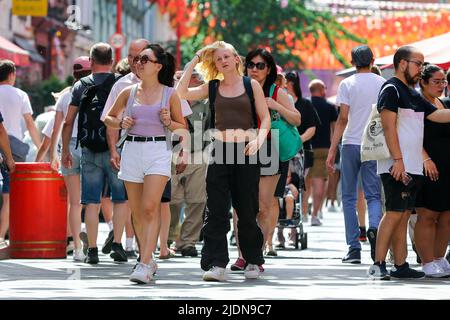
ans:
(38, 213)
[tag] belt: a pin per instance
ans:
(144, 139)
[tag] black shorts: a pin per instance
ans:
(309, 158)
(273, 166)
(279, 190)
(167, 193)
(399, 197)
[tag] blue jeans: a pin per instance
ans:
(350, 167)
(94, 168)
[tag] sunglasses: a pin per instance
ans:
(143, 60)
(258, 65)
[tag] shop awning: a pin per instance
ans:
(436, 51)
(9, 50)
(29, 46)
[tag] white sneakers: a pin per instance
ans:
(3, 243)
(251, 271)
(215, 274)
(143, 273)
(443, 263)
(315, 221)
(436, 269)
(78, 255)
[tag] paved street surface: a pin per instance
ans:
(315, 273)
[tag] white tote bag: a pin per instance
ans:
(374, 146)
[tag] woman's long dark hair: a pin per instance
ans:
(165, 75)
(268, 58)
(293, 76)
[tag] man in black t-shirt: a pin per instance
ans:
(402, 111)
(321, 143)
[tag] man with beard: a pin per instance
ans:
(402, 111)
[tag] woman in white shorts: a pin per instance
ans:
(151, 108)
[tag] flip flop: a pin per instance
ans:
(171, 254)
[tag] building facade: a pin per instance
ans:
(19, 30)
(139, 20)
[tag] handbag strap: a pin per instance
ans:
(130, 100)
(127, 112)
(273, 93)
(164, 101)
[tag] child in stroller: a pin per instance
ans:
(290, 207)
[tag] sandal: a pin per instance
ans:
(171, 254)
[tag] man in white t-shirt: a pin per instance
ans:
(14, 106)
(356, 95)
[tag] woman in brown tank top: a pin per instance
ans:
(237, 181)
(260, 65)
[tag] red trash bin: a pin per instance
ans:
(38, 212)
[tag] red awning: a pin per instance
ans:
(10, 51)
(436, 51)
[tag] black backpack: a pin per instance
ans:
(213, 86)
(91, 130)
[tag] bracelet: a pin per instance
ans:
(398, 159)
(426, 160)
(168, 124)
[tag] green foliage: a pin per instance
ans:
(41, 93)
(251, 24)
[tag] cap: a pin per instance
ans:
(82, 64)
(362, 56)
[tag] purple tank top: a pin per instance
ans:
(146, 117)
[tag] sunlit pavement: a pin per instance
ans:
(314, 273)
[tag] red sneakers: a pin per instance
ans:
(239, 265)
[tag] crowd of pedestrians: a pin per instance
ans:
(170, 156)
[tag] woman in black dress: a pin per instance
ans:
(432, 231)
(307, 128)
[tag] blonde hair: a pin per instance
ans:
(207, 66)
(123, 67)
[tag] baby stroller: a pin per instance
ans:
(295, 224)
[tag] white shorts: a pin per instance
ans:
(140, 159)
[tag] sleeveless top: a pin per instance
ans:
(234, 112)
(146, 117)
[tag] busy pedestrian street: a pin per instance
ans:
(314, 273)
(243, 151)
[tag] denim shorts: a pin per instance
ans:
(76, 160)
(5, 181)
(94, 168)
